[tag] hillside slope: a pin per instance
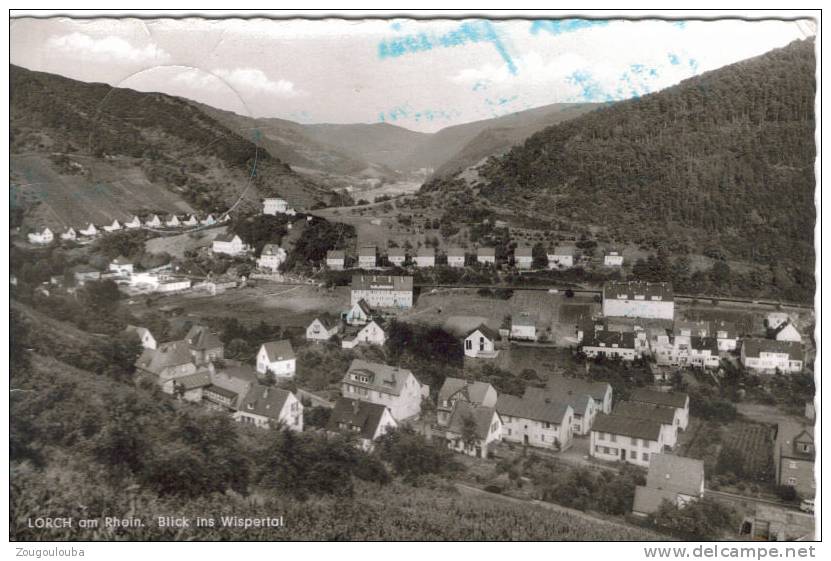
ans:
(722, 162)
(117, 151)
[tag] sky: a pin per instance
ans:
(422, 75)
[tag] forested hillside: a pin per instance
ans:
(720, 164)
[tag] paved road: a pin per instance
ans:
(743, 500)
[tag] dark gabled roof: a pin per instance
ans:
(627, 426)
(523, 252)
(663, 415)
(175, 353)
(335, 254)
(396, 252)
(486, 252)
(534, 406)
(327, 321)
(367, 251)
(753, 348)
(279, 350)
(382, 282)
(455, 252)
(381, 377)
(782, 326)
(264, 401)
(788, 434)
(473, 391)
(560, 387)
(656, 397)
(649, 500)
(193, 381)
(482, 416)
(605, 338)
(363, 415)
(364, 306)
(426, 252)
(200, 338)
(486, 331)
(225, 392)
(628, 290)
(704, 344)
(675, 473)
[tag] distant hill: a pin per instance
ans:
(721, 162)
(85, 152)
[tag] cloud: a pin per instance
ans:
(242, 80)
(107, 48)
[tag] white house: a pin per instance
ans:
(368, 257)
(114, 227)
(383, 291)
(322, 328)
(704, 352)
(89, 231)
(191, 221)
(426, 257)
(456, 257)
(173, 285)
(615, 438)
(134, 223)
(368, 421)
(523, 258)
(675, 479)
(229, 244)
(487, 429)
(638, 300)
(561, 257)
(69, 235)
(359, 314)
(787, 332)
(524, 327)
(145, 337)
(44, 237)
(277, 357)
(726, 335)
(208, 220)
(396, 256)
(264, 406)
(651, 412)
(587, 399)
(397, 388)
(335, 259)
(768, 355)
(613, 258)
(775, 319)
(276, 205)
(486, 256)
(609, 344)
(153, 222)
(481, 342)
(369, 334)
(678, 401)
(172, 221)
(271, 257)
(455, 389)
(536, 420)
(121, 266)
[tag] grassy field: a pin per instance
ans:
(177, 245)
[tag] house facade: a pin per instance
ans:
(481, 343)
(335, 259)
(370, 334)
(536, 420)
(134, 223)
(587, 399)
(473, 429)
(172, 221)
(42, 238)
(425, 257)
(368, 257)
(367, 421)
(486, 256)
(613, 258)
(271, 257)
(397, 256)
(114, 227)
(523, 258)
(625, 439)
(638, 300)
(121, 266)
(383, 291)
(322, 329)
(787, 332)
(229, 244)
(794, 454)
(265, 406)
(609, 344)
(69, 235)
(153, 222)
(278, 358)
(205, 347)
(89, 231)
(524, 327)
(359, 314)
(144, 336)
(561, 257)
(455, 389)
(397, 388)
(768, 355)
(456, 257)
(663, 415)
(275, 205)
(166, 363)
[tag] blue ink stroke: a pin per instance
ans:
(468, 32)
(558, 26)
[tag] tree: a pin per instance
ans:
(101, 297)
(468, 431)
(703, 519)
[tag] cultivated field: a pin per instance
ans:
(177, 245)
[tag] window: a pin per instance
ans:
(542, 438)
(634, 441)
(614, 438)
(601, 436)
(546, 425)
(633, 455)
(645, 457)
(792, 465)
(605, 449)
(792, 481)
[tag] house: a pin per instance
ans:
(613, 258)
(426, 257)
(481, 342)
(277, 357)
(586, 399)
(726, 335)
(456, 257)
(678, 401)
(153, 222)
(44, 237)
(335, 259)
(768, 355)
(524, 327)
(228, 387)
(208, 220)
(454, 389)
(473, 429)
(609, 344)
(486, 256)
(794, 453)
(523, 258)
(275, 206)
(205, 346)
(134, 223)
(114, 227)
(367, 421)
(69, 235)
(191, 386)
(625, 439)
(367, 257)
(383, 291)
(775, 319)
(359, 314)
(663, 415)
(166, 363)
(121, 266)
(322, 328)
(536, 420)
(173, 285)
(172, 221)
(229, 244)
(670, 478)
(145, 337)
(635, 299)
(370, 334)
(84, 273)
(191, 221)
(89, 231)
(397, 256)
(271, 257)
(704, 352)
(561, 257)
(786, 331)
(266, 406)
(397, 388)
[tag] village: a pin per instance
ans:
(559, 413)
